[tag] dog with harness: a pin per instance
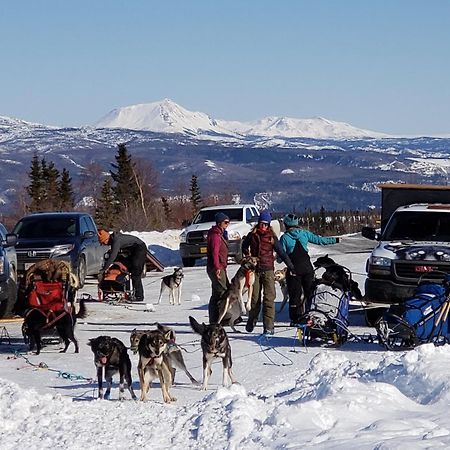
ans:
(172, 283)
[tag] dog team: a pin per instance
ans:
(159, 355)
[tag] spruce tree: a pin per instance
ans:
(125, 190)
(167, 210)
(107, 208)
(35, 189)
(196, 198)
(50, 176)
(66, 195)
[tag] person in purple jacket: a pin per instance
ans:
(216, 266)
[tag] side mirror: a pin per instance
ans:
(186, 223)
(11, 240)
(88, 234)
(369, 233)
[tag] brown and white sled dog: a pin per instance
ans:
(172, 283)
(232, 305)
(154, 363)
(280, 277)
(214, 344)
(173, 351)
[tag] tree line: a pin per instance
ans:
(128, 197)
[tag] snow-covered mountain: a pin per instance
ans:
(162, 117)
(168, 117)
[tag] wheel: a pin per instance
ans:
(81, 271)
(188, 262)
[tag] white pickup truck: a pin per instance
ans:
(193, 237)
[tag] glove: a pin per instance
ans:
(100, 276)
(337, 240)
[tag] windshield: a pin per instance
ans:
(208, 215)
(418, 226)
(36, 228)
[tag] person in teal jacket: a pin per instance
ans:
(295, 243)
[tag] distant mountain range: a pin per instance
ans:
(265, 161)
(168, 117)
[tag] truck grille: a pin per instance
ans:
(33, 255)
(196, 237)
(424, 270)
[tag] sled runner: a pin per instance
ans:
(421, 319)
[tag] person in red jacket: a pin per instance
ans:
(216, 266)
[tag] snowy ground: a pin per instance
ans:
(357, 396)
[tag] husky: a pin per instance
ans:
(280, 277)
(37, 321)
(214, 344)
(111, 355)
(232, 305)
(154, 363)
(173, 351)
(173, 284)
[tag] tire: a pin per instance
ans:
(188, 262)
(81, 272)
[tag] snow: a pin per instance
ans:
(169, 117)
(288, 396)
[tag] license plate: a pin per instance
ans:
(425, 269)
(28, 265)
(203, 250)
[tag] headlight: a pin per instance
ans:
(233, 235)
(2, 265)
(183, 237)
(59, 250)
(379, 261)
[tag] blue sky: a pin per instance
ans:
(380, 65)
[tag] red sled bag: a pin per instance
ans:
(47, 296)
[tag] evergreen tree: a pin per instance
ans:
(66, 196)
(125, 189)
(167, 210)
(196, 198)
(35, 189)
(107, 208)
(50, 176)
(322, 220)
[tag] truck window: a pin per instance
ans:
(207, 215)
(418, 226)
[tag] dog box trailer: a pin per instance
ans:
(413, 242)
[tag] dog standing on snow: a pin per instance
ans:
(280, 278)
(173, 284)
(232, 305)
(214, 344)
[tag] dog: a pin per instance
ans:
(173, 351)
(154, 363)
(280, 277)
(231, 304)
(37, 320)
(215, 344)
(111, 355)
(173, 284)
(338, 276)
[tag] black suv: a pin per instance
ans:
(8, 272)
(70, 236)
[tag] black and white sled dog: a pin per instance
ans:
(111, 355)
(173, 284)
(337, 276)
(280, 278)
(214, 344)
(173, 351)
(232, 305)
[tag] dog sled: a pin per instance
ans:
(115, 286)
(50, 291)
(421, 319)
(326, 319)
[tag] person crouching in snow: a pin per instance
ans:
(216, 266)
(295, 243)
(263, 242)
